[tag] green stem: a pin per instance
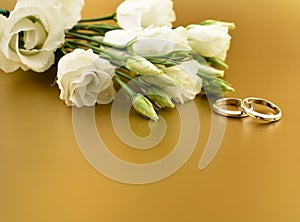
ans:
(114, 59)
(64, 50)
(90, 34)
(71, 44)
(119, 73)
(95, 26)
(129, 91)
(104, 18)
(99, 29)
(54, 81)
(88, 38)
(97, 49)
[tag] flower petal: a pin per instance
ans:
(119, 37)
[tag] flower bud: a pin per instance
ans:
(141, 66)
(159, 80)
(226, 87)
(211, 71)
(144, 107)
(218, 63)
(160, 98)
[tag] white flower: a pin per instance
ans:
(139, 14)
(209, 40)
(188, 83)
(69, 10)
(162, 40)
(5, 64)
(85, 79)
(120, 37)
(151, 41)
(34, 30)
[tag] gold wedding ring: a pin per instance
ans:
(248, 104)
(220, 104)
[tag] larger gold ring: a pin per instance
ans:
(220, 107)
(248, 106)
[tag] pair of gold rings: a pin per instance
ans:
(247, 107)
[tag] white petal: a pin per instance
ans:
(38, 62)
(75, 62)
(36, 37)
(107, 95)
(7, 65)
(161, 40)
(68, 11)
(138, 14)
(129, 14)
(119, 37)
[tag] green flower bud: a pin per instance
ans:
(160, 80)
(226, 87)
(211, 71)
(160, 98)
(218, 63)
(144, 107)
(142, 66)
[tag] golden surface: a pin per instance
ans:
(254, 177)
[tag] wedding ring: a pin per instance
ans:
(247, 106)
(218, 107)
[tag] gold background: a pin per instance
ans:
(254, 177)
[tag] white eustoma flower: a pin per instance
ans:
(69, 10)
(152, 40)
(5, 64)
(138, 14)
(209, 40)
(161, 40)
(120, 37)
(84, 79)
(188, 84)
(35, 29)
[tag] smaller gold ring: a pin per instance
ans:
(247, 106)
(217, 107)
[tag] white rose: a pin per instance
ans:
(151, 41)
(139, 14)
(84, 79)
(188, 84)
(39, 26)
(209, 40)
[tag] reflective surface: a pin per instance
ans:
(254, 177)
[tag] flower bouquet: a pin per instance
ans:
(96, 57)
